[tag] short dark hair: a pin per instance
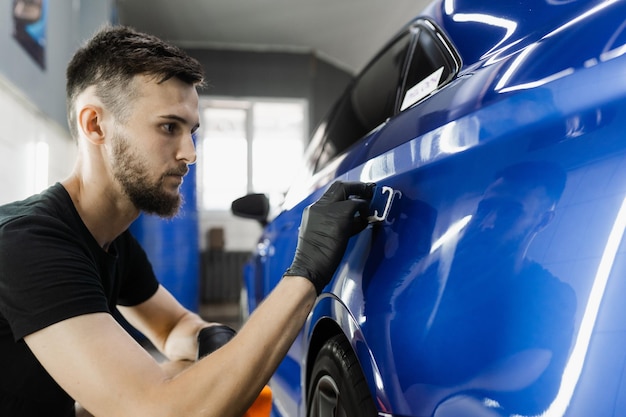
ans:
(113, 57)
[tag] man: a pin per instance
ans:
(67, 260)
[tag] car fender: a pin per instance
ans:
(329, 317)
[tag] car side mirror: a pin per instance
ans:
(252, 206)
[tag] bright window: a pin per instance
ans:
(248, 146)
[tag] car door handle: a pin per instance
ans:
(375, 217)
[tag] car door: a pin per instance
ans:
(480, 286)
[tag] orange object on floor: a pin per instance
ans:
(262, 406)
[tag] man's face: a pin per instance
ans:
(147, 194)
(150, 151)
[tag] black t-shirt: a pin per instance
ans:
(52, 269)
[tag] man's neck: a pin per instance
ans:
(104, 211)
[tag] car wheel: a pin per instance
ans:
(338, 387)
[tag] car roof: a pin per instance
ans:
(490, 28)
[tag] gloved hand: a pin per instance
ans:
(326, 227)
(213, 337)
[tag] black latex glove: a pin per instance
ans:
(326, 227)
(213, 337)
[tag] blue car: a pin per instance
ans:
(491, 280)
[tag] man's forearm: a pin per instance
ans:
(250, 359)
(181, 343)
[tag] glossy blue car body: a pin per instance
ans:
(493, 281)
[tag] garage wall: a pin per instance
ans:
(274, 75)
(266, 74)
(25, 126)
(32, 97)
(68, 24)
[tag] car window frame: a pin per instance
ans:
(314, 153)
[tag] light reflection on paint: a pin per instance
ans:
(451, 138)
(538, 83)
(574, 366)
(452, 233)
(508, 25)
(458, 136)
(583, 16)
(568, 71)
(613, 53)
(533, 84)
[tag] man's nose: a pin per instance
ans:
(187, 150)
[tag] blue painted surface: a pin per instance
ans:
(495, 286)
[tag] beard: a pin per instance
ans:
(131, 172)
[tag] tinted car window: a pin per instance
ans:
(369, 102)
(411, 68)
(430, 65)
(375, 92)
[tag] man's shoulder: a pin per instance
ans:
(48, 215)
(49, 204)
(44, 200)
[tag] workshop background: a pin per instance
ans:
(273, 68)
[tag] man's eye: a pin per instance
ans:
(169, 127)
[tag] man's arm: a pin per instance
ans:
(170, 327)
(97, 362)
(103, 369)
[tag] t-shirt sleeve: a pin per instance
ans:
(139, 282)
(46, 275)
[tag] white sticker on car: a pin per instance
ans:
(421, 89)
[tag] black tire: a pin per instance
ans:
(337, 387)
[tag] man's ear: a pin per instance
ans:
(90, 118)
